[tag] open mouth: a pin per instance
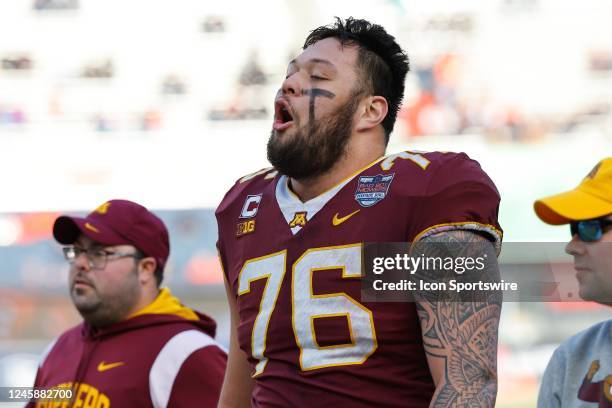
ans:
(283, 118)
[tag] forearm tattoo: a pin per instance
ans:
(462, 332)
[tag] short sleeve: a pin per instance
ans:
(460, 195)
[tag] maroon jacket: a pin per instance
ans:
(295, 271)
(163, 356)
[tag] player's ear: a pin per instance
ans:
(373, 111)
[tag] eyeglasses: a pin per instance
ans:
(97, 258)
(590, 230)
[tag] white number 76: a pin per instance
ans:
(306, 307)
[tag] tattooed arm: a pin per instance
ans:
(460, 330)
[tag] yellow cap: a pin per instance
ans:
(591, 199)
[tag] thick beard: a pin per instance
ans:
(110, 308)
(315, 148)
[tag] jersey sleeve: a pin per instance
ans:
(460, 195)
(199, 381)
(221, 256)
(222, 222)
(228, 211)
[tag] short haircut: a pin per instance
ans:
(382, 62)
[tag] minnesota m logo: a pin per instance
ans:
(103, 208)
(299, 219)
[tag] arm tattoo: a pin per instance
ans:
(461, 330)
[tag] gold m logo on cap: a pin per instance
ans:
(103, 209)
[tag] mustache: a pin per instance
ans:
(81, 279)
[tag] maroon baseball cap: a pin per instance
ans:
(118, 222)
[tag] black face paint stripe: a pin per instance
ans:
(314, 92)
(311, 110)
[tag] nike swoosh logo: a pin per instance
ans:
(105, 367)
(337, 221)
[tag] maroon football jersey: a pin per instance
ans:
(295, 271)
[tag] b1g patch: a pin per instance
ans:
(245, 227)
(372, 189)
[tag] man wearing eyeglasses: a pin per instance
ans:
(580, 371)
(138, 345)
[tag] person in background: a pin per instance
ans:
(579, 373)
(137, 345)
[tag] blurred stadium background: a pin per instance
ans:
(168, 103)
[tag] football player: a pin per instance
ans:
(291, 239)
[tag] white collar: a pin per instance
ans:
(290, 204)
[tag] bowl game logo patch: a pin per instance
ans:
(372, 189)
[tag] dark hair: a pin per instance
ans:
(159, 270)
(159, 275)
(382, 62)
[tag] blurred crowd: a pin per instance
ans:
(441, 99)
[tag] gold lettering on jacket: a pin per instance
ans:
(83, 396)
